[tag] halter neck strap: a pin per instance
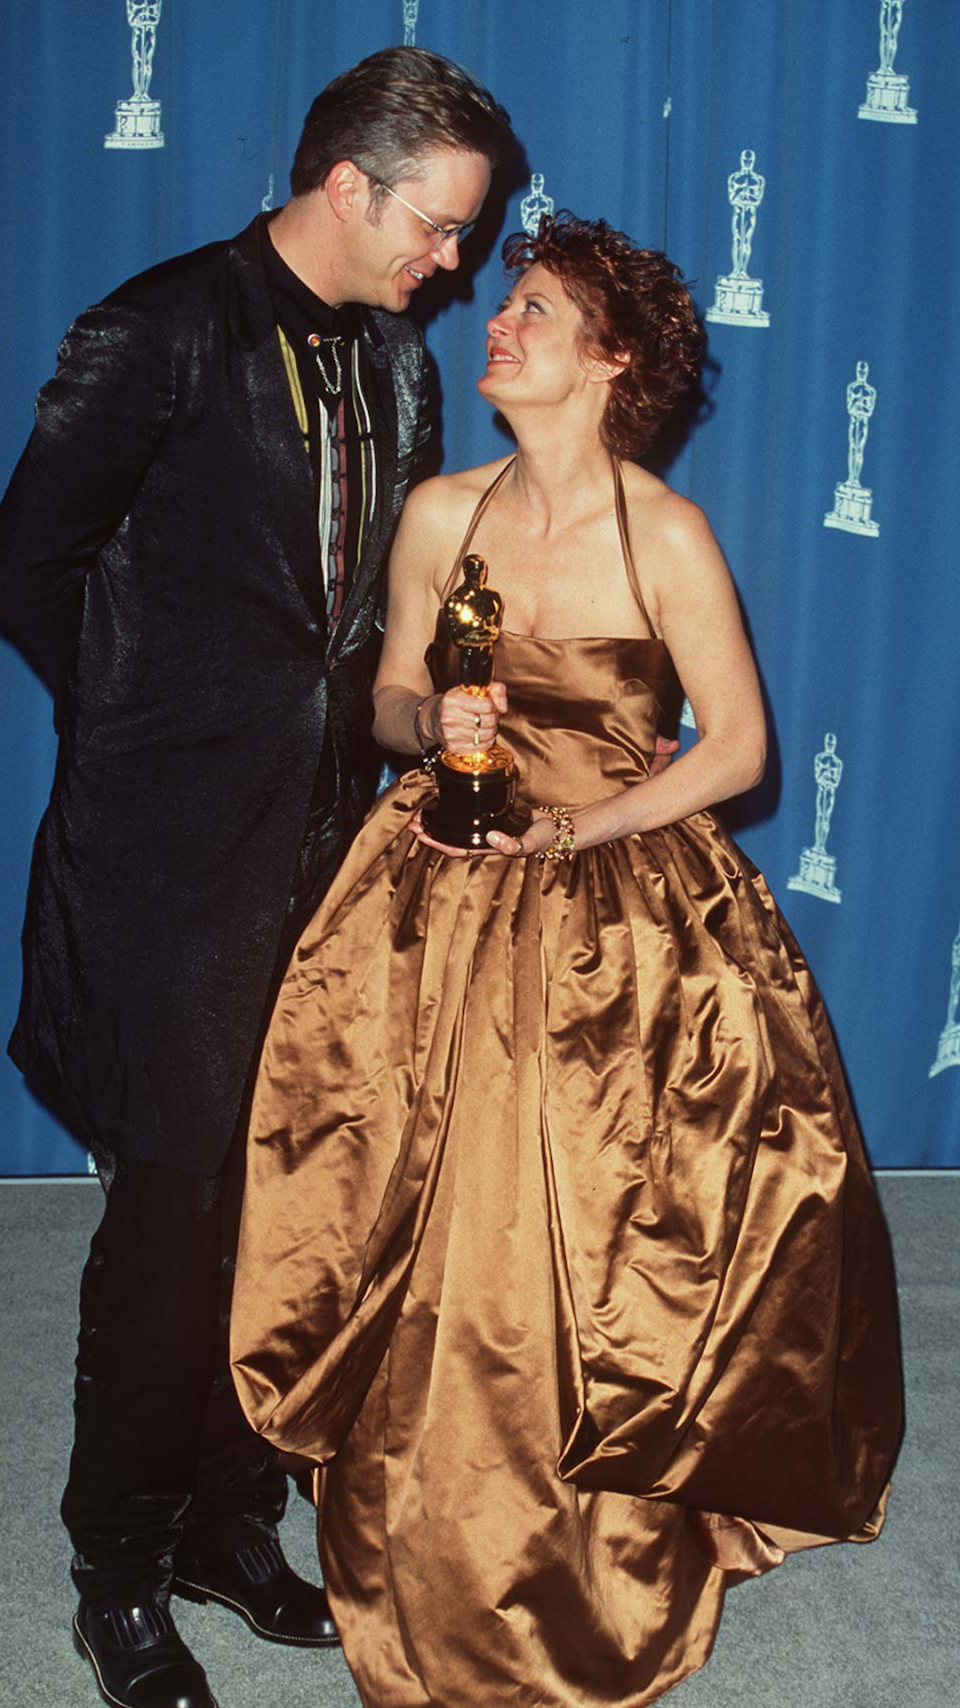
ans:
(481, 506)
(623, 529)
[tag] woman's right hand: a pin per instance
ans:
(464, 722)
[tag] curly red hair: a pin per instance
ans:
(632, 302)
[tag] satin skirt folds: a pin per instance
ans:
(560, 1241)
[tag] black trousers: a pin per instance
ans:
(161, 1445)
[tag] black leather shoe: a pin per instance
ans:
(139, 1658)
(257, 1583)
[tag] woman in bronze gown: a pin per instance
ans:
(560, 1251)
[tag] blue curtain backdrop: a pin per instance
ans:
(822, 454)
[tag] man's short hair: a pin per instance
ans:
(387, 112)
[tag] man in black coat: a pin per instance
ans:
(191, 553)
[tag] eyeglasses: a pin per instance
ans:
(444, 232)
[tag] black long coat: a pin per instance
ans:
(159, 564)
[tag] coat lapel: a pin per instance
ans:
(287, 474)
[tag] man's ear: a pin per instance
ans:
(346, 188)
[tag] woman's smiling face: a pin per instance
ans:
(534, 344)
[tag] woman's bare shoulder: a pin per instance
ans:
(435, 518)
(446, 495)
(661, 517)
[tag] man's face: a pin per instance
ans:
(392, 250)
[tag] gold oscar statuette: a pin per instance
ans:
(476, 791)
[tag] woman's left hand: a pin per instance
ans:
(538, 835)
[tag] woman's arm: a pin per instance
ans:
(408, 717)
(699, 618)
(692, 597)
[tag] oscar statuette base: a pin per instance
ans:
(473, 799)
(948, 1051)
(138, 125)
(817, 875)
(739, 302)
(887, 99)
(851, 509)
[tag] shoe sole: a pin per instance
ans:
(86, 1653)
(200, 1593)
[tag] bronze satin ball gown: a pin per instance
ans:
(559, 1247)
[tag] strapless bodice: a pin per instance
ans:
(583, 713)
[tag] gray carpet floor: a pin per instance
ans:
(846, 1627)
